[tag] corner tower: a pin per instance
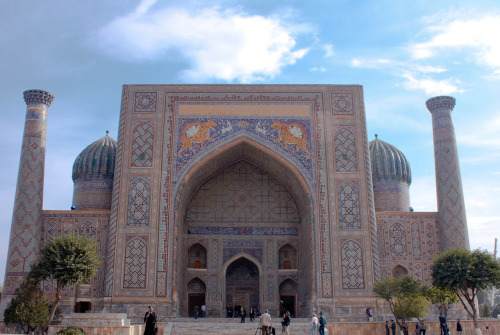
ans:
(26, 226)
(451, 207)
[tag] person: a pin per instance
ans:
(203, 310)
(150, 321)
(442, 323)
(252, 314)
(286, 322)
(196, 312)
(423, 327)
(272, 330)
(417, 328)
(314, 323)
(369, 314)
(387, 328)
(243, 315)
(393, 327)
(322, 324)
(459, 327)
(265, 322)
(404, 327)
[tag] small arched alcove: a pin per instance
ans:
(197, 256)
(399, 271)
(196, 291)
(287, 256)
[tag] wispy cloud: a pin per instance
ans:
(223, 44)
(432, 86)
(479, 34)
(329, 52)
(318, 69)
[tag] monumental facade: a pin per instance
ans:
(252, 195)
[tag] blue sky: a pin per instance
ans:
(402, 52)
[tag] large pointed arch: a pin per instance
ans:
(270, 161)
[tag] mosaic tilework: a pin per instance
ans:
(430, 239)
(135, 262)
(397, 238)
(139, 197)
(351, 256)
(228, 253)
(145, 102)
(111, 245)
(88, 229)
(348, 205)
(214, 280)
(270, 287)
(242, 193)
(345, 151)
(203, 230)
(342, 104)
(288, 286)
(292, 135)
(142, 144)
(418, 273)
(399, 272)
(415, 238)
(196, 285)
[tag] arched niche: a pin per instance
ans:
(399, 271)
(197, 257)
(196, 295)
(287, 257)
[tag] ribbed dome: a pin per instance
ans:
(97, 161)
(388, 163)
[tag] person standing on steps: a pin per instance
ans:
(322, 324)
(459, 327)
(369, 314)
(314, 324)
(150, 321)
(442, 324)
(423, 327)
(252, 314)
(286, 322)
(196, 312)
(393, 327)
(387, 328)
(203, 310)
(265, 322)
(243, 314)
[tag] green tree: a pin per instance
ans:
(69, 260)
(442, 299)
(485, 311)
(405, 297)
(28, 308)
(465, 273)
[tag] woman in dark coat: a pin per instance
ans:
(150, 321)
(459, 327)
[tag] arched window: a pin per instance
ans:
(197, 257)
(287, 257)
(399, 272)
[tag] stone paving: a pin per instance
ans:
(209, 326)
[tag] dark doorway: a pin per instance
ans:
(83, 306)
(242, 284)
(287, 303)
(195, 299)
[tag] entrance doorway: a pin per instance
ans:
(242, 284)
(196, 296)
(288, 297)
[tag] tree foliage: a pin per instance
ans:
(28, 308)
(69, 260)
(406, 297)
(442, 299)
(465, 273)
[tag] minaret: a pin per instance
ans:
(451, 207)
(25, 232)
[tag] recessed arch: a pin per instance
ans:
(197, 256)
(399, 271)
(254, 296)
(287, 257)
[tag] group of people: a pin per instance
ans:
(421, 327)
(240, 312)
(203, 311)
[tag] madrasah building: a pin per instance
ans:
(253, 195)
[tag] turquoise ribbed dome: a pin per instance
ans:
(388, 163)
(97, 161)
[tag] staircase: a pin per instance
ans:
(227, 326)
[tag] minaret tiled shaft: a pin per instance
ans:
(450, 196)
(26, 226)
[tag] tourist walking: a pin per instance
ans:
(459, 327)
(150, 321)
(203, 310)
(286, 322)
(265, 322)
(393, 327)
(443, 325)
(322, 324)
(314, 324)
(369, 314)
(243, 315)
(387, 328)
(252, 314)
(423, 328)
(196, 312)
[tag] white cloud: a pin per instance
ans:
(328, 50)
(318, 69)
(432, 86)
(479, 34)
(223, 44)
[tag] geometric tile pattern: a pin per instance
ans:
(139, 196)
(88, 229)
(418, 273)
(145, 102)
(288, 286)
(342, 104)
(348, 206)
(430, 239)
(415, 238)
(142, 145)
(196, 285)
(397, 238)
(345, 151)
(135, 264)
(242, 193)
(352, 266)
